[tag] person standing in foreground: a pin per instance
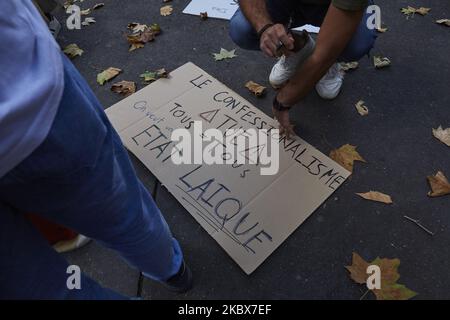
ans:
(61, 158)
(344, 36)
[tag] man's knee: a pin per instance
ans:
(359, 46)
(242, 32)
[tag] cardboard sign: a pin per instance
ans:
(247, 213)
(221, 9)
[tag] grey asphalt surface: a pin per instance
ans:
(405, 100)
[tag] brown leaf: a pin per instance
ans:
(439, 185)
(124, 87)
(443, 135)
(203, 15)
(257, 89)
(423, 11)
(376, 196)
(382, 29)
(389, 288)
(358, 269)
(361, 108)
(346, 155)
(166, 10)
(140, 38)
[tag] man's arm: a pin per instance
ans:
(336, 31)
(256, 13)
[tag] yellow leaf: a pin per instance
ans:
(166, 10)
(72, 50)
(346, 155)
(347, 66)
(381, 62)
(361, 108)
(389, 288)
(376, 196)
(423, 11)
(257, 89)
(443, 135)
(439, 185)
(409, 11)
(445, 22)
(124, 87)
(107, 75)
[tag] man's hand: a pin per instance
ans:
(285, 123)
(273, 38)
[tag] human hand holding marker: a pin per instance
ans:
(275, 40)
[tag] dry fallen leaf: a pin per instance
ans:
(376, 196)
(347, 66)
(445, 22)
(439, 185)
(166, 10)
(257, 89)
(203, 15)
(85, 12)
(88, 21)
(98, 6)
(381, 62)
(155, 75)
(409, 11)
(141, 35)
(72, 50)
(389, 288)
(442, 134)
(361, 108)
(224, 54)
(124, 87)
(346, 155)
(107, 75)
(382, 29)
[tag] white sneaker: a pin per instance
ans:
(286, 66)
(331, 83)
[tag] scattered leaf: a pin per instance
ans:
(85, 12)
(381, 62)
(439, 185)
(166, 10)
(72, 50)
(445, 22)
(346, 155)
(257, 89)
(155, 75)
(410, 11)
(124, 87)
(107, 75)
(224, 54)
(382, 29)
(88, 21)
(347, 66)
(389, 289)
(203, 15)
(361, 108)
(443, 135)
(376, 196)
(98, 6)
(142, 35)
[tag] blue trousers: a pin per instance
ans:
(80, 177)
(281, 11)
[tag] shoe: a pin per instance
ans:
(331, 83)
(286, 66)
(181, 282)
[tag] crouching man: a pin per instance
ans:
(344, 36)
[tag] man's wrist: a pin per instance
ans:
(264, 28)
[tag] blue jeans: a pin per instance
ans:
(80, 177)
(281, 11)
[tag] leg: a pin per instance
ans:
(242, 32)
(361, 43)
(31, 269)
(81, 177)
